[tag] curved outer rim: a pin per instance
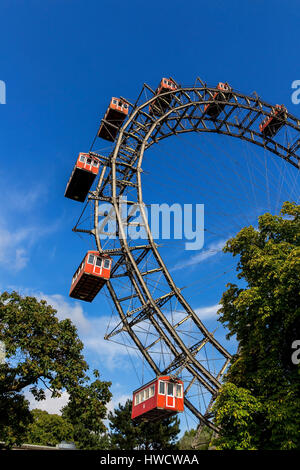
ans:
(253, 106)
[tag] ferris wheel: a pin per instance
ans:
(151, 313)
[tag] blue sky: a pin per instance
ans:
(61, 61)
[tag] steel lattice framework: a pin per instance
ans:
(167, 313)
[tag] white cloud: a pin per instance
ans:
(208, 313)
(15, 244)
(51, 405)
(19, 231)
(91, 330)
(21, 259)
(212, 250)
(112, 354)
(55, 405)
(114, 403)
(118, 400)
(65, 309)
(13, 253)
(26, 197)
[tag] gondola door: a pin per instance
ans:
(97, 265)
(170, 398)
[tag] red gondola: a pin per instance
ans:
(158, 399)
(113, 119)
(90, 276)
(273, 123)
(82, 177)
(214, 109)
(160, 104)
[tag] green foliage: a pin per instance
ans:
(48, 429)
(85, 410)
(186, 442)
(191, 440)
(38, 346)
(41, 352)
(14, 418)
(127, 434)
(238, 412)
(259, 407)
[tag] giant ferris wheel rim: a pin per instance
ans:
(240, 101)
(143, 130)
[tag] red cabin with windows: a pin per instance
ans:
(273, 123)
(90, 276)
(214, 109)
(158, 399)
(159, 105)
(113, 119)
(84, 172)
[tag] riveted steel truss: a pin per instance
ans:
(157, 324)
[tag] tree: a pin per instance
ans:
(259, 405)
(191, 440)
(41, 352)
(127, 434)
(14, 417)
(48, 429)
(86, 410)
(186, 441)
(81, 420)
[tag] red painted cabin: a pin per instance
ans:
(90, 276)
(158, 399)
(273, 123)
(113, 119)
(160, 105)
(84, 172)
(214, 109)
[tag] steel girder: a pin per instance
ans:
(121, 176)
